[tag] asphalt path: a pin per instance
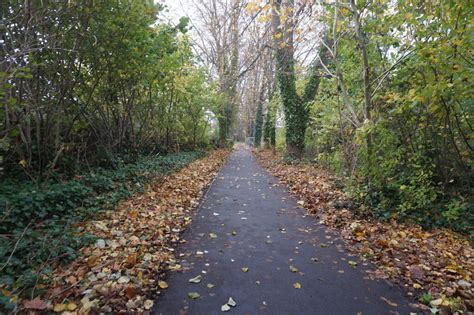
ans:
(250, 241)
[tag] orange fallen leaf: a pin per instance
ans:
(131, 260)
(133, 214)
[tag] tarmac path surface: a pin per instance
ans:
(250, 240)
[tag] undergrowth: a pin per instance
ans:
(40, 226)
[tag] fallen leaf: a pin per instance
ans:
(35, 304)
(393, 304)
(162, 284)
(123, 280)
(245, 269)
(175, 267)
(148, 304)
(417, 272)
(130, 292)
(196, 279)
(297, 285)
(210, 285)
(212, 235)
(92, 261)
(133, 214)
(231, 302)
(71, 306)
(58, 308)
(225, 308)
(436, 303)
(194, 295)
(131, 260)
(417, 286)
(293, 268)
(352, 263)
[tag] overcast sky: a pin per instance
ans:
(177, 9)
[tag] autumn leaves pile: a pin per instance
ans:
(435, 267)
(120, 271)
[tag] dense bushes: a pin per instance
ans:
(39, 226)
(412, 156)
(83, 81)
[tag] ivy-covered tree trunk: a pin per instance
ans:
(269, 132)
(296, 113)
(258, 124)
(227, 59)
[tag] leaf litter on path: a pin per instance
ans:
(137, 244)
(437, 263)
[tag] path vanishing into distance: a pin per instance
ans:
(251, 241)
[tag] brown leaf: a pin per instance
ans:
(35, 304)
(131, 260)
(130, 292)
(417, 272)
(71, 279)
(92, 261)
(133, 214)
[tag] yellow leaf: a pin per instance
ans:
(263, 18)
(352, 263)
(71, 306)
(245, 269)
(162, 284)
(297, 285)
(58, 308)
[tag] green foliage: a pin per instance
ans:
(269, 129)
(258, 124)
(105, 78)
(421, 131)
(39, 223)
(426, 298)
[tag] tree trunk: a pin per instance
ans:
(296, 115)
(362, 43)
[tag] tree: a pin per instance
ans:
(296, 107)
(258, 124)
(67, 100)
(269, 131)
